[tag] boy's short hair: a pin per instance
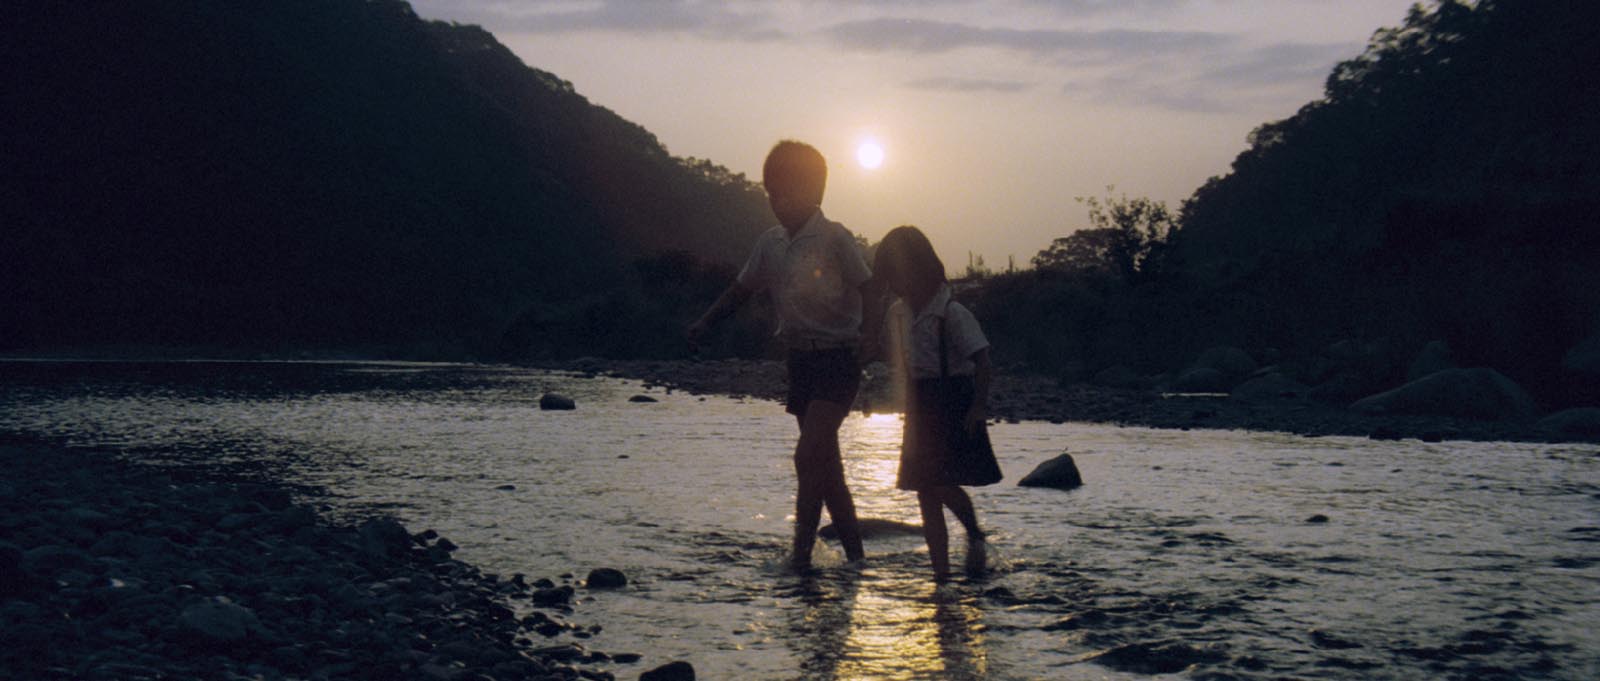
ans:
(795, 165)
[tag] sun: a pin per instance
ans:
(869, 154)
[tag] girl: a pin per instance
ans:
(942, 361)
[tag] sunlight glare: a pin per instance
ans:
(869, 154)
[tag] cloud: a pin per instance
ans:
(968, 85)
(923, 36)
(1174, 70)
(1225, 82)
(1280, 64)
(1150, 89)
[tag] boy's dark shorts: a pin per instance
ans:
(830, 375)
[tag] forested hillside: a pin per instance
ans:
(323, 174)
(1446, 187)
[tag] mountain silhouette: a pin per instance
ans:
(317, 174)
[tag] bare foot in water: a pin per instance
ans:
(977, 559)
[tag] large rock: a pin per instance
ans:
(1483, 394)
(1270, 387)
(1580, 422)
(557, 402)
(1060, 473)
(1433, 358)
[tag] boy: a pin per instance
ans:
(815, 273)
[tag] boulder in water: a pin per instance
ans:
(606, 578)
(1060, 472)
(671, 671)
(557, 402)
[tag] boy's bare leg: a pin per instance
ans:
(820, 472)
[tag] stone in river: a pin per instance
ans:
(556, 401)
(556, 596)
(606, 578)
(671, 671)
(1060, 473)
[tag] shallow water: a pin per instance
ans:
(1199, 552)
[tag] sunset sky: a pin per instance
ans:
(992, 116)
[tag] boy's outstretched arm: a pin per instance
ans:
(735, 295)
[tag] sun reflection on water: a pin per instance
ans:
(871, 450)
(900, 628)
(890, 621)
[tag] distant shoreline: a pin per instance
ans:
(1027, 397)
(1016, 396)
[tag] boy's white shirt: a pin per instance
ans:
(815, 279)
(914, 339)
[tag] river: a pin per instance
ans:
(1210, 554)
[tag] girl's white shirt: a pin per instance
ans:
(914, 338)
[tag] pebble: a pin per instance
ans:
(122, 571)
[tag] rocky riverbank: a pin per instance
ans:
(111, 569)
(1018, 396)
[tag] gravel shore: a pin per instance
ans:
(1019, 396)
(111, 569)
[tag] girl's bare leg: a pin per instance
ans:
(930, 501)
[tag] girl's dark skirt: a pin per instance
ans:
(937, 451)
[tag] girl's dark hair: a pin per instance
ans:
(906, 252)
(795, 165)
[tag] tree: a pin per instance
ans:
(1125, 239)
